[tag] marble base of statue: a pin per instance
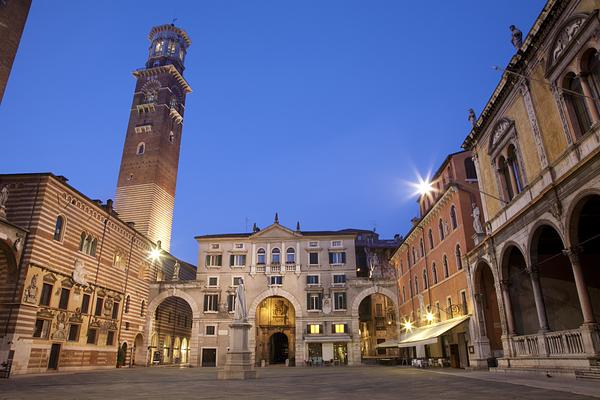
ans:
(238, 362)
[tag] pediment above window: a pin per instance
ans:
(503, 131)
(566, 38)
(276, 231)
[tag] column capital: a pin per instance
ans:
(505, 284)
(573, 253)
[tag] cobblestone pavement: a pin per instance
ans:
(366, 383)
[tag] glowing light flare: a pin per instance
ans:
(407, 325)
(423, 186)
(155, 254)
(429, 316)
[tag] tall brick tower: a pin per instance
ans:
(148, 174)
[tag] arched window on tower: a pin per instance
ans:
(458, 257)
(441, 229)
(141, 148)
(422, 247)
(425, 280)
(453, 219)
(470, 170)
(59, 228)
(446, 268)
(434, 272)
(430, 234)
(416, 285)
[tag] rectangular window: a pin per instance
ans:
(41, 328)
(314, 329)
(214, 260)
(237, 260)
(339, 300)
(312, 279)
(237, 280)
(337, 257)
(46, 294)
(339, 279)
(73, 333)
(63, 303)
(99, 304)
(230, 302)
(85, 303)
(313, 258)
(379, 310)
(314, 301)
(211, 302)
(276, 280)
(313, 244)
(336, 243)
(92, 333)
(340, 328)
(213, 281)
(239, 246)
(215, 246)
(210, 330)
(110, 338)
(115, 310)
(463, 300)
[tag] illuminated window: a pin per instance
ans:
(172, 47)
(340, 328)
(315, 329)
(158, 47)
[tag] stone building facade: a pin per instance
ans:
(435, 303)
(303, 292)
(13, 15)
(537, 151)
(74, 278)
(148, 174)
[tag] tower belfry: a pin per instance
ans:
(148, 173)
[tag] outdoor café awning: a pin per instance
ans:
(392, 343)
(429, 334)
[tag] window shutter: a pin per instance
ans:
(320, 302)
(219, 260)
(332, 328)
(320, 328)
(205, 302)
(345, 328)
(330, 258)
(308, 301)
(307, 329)
(206, 259)
(344, 257)
(231, 260)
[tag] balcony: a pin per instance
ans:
(567, 343)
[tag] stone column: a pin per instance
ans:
(582, 292)
(193, 344)
(510, 320)
(588, 99)
(539, 299)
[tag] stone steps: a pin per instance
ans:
(591, 373)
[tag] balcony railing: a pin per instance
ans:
(550, 344)
(526, 345)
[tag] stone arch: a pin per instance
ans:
(487, 304)
(508, 246)
(139, 352)
(173, 292)
(8, 260)
(533, 233)
(373, 290)
(572, 215)
(270, 293)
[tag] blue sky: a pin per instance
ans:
(320, 110)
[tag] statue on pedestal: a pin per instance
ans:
(517, 37)
(241, 309)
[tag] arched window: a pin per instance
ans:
(425, 280)
(403, 294)
(441, 229)
(93, 247)
(410, 287)
(576, 106)
(261, 256)
(275, 256)
(446, 269)
(416, 285)
(142, 308)
(434, 272)
(82, 241)
(458, 257)
(141, 148)
(453, 219)
(430, 238)
(513, 164)
(408, 260)
(422, 246)
(59, 228)
(290, 255)
(414, 253)
(592, 69)
(470, 170)
(127, 300)
(505, 178)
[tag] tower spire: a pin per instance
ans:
(276, 218)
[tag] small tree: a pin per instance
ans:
(120, 357)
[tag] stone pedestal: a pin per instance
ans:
(238, 362)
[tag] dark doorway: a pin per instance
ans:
(489, 306)
(54, 356)
(279, 348)
(454, 356)
(209, 357)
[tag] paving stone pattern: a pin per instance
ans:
(339, 383)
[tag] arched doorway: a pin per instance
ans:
(138, 353)
(520, 291)
(124, 352)
(377, 324)
(172, 321)
(585, 239)
(487, 303)
(559, 293)
(184, 351)
(275, 330)
(279, 346)
(7, 283)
